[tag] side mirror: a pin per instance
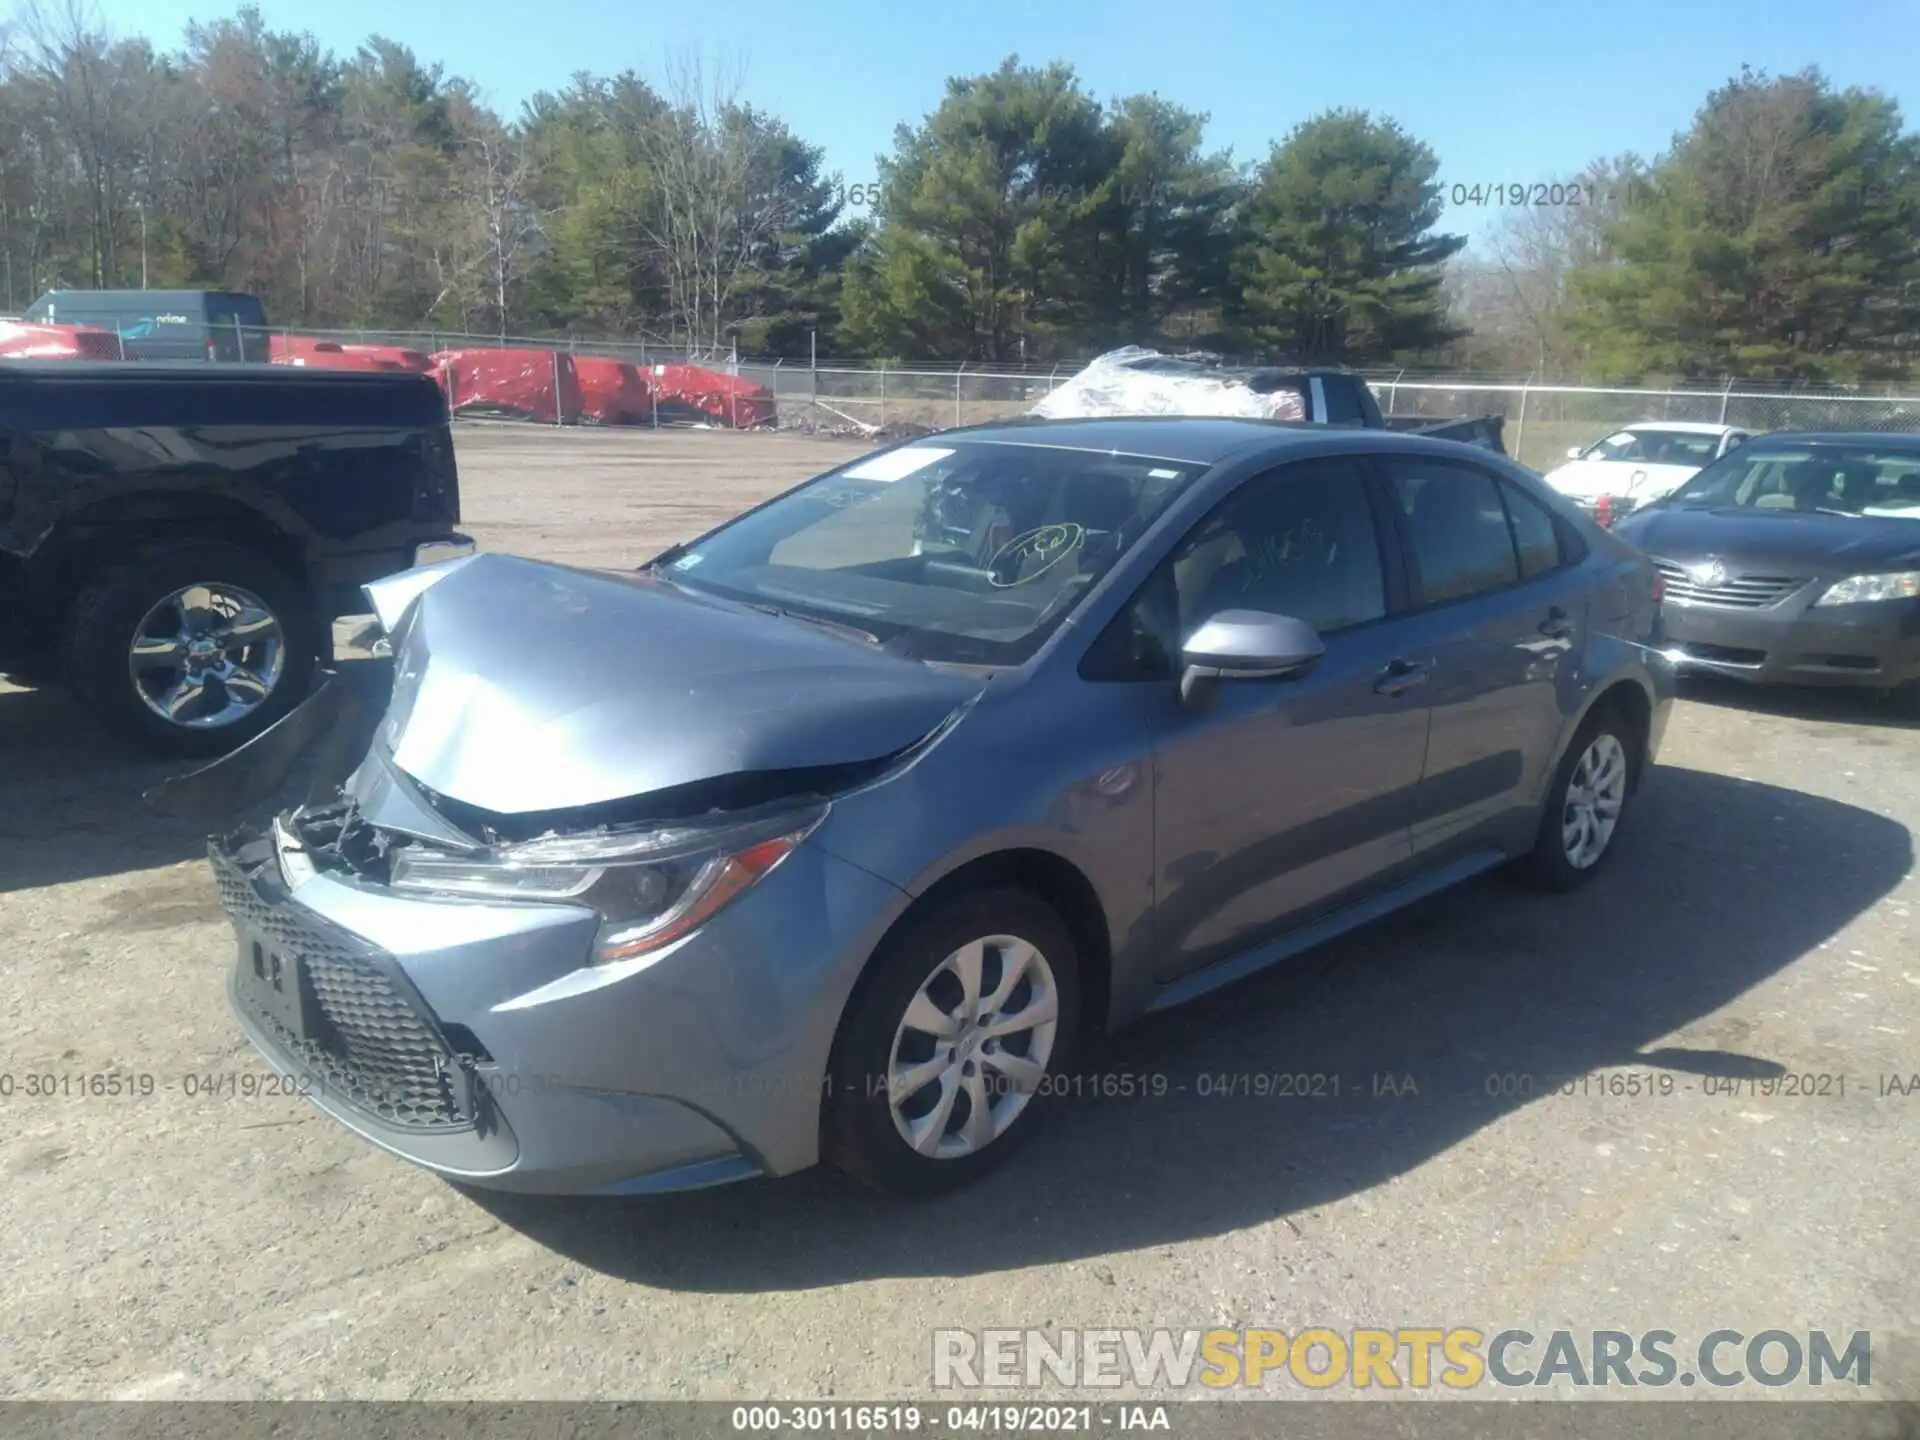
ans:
(1574, 452)
(1246, 645)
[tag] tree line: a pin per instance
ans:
(1022, 218)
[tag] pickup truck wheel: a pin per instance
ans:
(192, 650)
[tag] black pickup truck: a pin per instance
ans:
(176, 537)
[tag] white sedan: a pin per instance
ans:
(1640, 463)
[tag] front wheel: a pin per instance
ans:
(969, 1013)
(194, 649)
(1585, 806)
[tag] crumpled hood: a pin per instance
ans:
(521, 686)
(1785, 544)
(1590, 479)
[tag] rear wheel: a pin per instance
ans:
(192, 650)
(1586, 804)
(944, 1051)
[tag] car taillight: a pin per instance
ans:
(1603, 512)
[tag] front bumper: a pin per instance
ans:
(474, 1038)
(1875, 646)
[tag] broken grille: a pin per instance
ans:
(374, 1049)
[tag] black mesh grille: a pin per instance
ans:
(374, 1050)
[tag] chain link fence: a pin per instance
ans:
(1543, 419)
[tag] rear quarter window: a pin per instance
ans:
(1536, 538)
(1343, 400)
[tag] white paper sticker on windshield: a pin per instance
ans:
(896, 464)
(1163, 474)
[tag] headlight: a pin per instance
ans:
(649, 888)
(1863, 589)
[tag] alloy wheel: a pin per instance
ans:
(1595, 796)
(973, 1047)
(207, 656)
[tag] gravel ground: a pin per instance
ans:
(1758, 922)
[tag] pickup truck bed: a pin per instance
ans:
(176, 537)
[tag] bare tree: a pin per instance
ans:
(715, 204)
(500, 176)
(1535, 250)
(73, 59)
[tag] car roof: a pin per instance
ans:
(147, 296)
(1878, 439)
(1184, 439)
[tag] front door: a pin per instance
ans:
(1285, 794)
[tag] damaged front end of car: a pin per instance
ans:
(505, 851)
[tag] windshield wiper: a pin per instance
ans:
(1823, 510)
(852, 632)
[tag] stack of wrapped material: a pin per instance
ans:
(1137, 381)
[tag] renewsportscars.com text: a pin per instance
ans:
(1320, 1358)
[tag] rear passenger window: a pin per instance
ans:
(1536, 540)
(1457, 528)
(1343, 404)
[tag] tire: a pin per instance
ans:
(863, 1131)
(1556, 863)
(270, 663)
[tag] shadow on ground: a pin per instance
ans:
(1833, 706)
(1720, 884)
(71, 794)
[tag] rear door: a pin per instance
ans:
(237, 328)
(1285, 794)
(1503, 611)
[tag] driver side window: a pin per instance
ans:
(1298, 541)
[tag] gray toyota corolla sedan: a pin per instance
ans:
(827, 834)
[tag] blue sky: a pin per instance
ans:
(1514, 92)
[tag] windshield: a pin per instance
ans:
(1657, 447)
(1821, 479)
(953, 550)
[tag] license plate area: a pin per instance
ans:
(275, 982)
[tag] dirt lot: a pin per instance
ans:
(1759, 921)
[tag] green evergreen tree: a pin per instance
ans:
(1338, 258)
(1775, 240)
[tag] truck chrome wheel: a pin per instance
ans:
(207, 656)
(973, 1047)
